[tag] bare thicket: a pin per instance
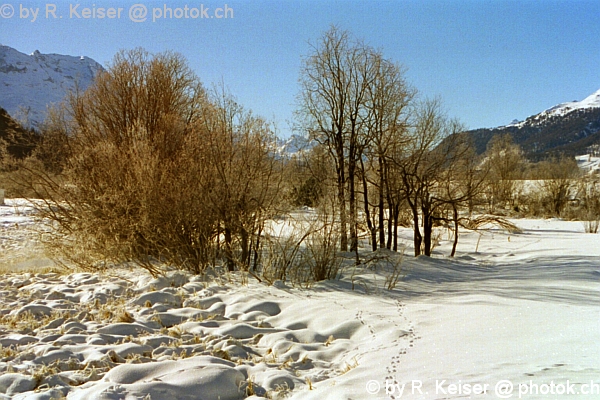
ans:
(306, 252)
(505, 163)
(244, 177)
(436, 172)
(334, 81)
(354, 103)
(588, 194)
(53, 147)
(157, 171)
(555, 183)
(16, 145)
(308, 176)
(149, 166)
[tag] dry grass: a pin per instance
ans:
(28, 321)
(308, 253)
(485, 221)
(350, 366)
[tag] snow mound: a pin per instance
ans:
(517, 306)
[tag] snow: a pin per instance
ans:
(592, 101)
(522, 308)
(20, 246)
(560, 110)
(38, 80)
(295, 145)
(588, 163)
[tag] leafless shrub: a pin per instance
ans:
(396, 273)
(321, 254)
(157, 171)
(485, 221)
(307, 253)
(283, 254)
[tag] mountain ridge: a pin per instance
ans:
(567, 128)
(562, 109)
(31, 83)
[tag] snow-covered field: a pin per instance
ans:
(521, 313)
(20, 248)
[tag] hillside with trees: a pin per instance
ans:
(571, 134)
(14, 139)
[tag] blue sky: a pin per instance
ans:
(489, 61)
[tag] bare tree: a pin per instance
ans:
(388, 97)
(334, 82)
(462, 181)
(246, 175)
(426, 163)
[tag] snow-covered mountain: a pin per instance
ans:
(561, 110)
(592, 101)
(567, 128)
(294, 145)
(30, 83)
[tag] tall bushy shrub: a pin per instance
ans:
(158, 169)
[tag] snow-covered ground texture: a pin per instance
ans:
(20, 247)
(35, 81)
(511, 309)
(588, 163)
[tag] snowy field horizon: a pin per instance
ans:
(513, 315)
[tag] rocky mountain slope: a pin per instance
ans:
(30, 83)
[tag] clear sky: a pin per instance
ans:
(489, 61)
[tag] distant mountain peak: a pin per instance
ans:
(568, 128)
(592, 101)
(33, 82)
(295, 144)
(559, 110)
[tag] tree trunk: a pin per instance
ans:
(381, 204)
(352, 203)
(455, 219)
(390, 202)
(229, 250)
(427, 228)
(341, 184)
(396, 215)
(372, 229)
(245, 248)
(426, 237)
(257, 245)
(343, 220)
(417, 238)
